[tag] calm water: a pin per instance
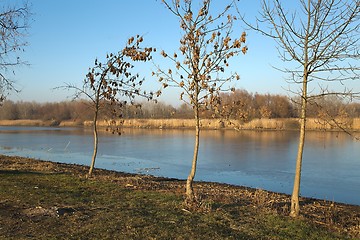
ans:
(331, 166)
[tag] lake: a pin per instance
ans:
(259, 159)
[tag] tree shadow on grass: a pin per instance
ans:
(18, 172)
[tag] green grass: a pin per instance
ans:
(103, 209)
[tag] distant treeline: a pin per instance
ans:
(240, 105)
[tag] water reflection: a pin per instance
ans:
(263, 159)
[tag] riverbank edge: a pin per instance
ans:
(336, 217)
(213, 124)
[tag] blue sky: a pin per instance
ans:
(66, 36)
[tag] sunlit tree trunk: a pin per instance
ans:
(295, 204)
(189, 183)
(95, 132)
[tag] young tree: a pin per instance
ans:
(206, 47)
(321, 40)
(13, 30)
(109, 82)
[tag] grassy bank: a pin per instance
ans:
(45, 200)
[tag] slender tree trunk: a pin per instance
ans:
(95, 145)
(189, 183)
(295, 205)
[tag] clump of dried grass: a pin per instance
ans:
(272, 124)
(356, 124)
(22, 122)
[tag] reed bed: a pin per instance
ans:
(22, 122)
(356, 124)
(351, 124)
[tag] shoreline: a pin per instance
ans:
(335, 216)
(82, 170)
(100, 172)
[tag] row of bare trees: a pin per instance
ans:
(319, 38)
(321, 42)
(240, 104)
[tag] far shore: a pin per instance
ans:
(255, 124)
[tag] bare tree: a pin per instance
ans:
(109, 82)
(321, 40)
(14, 23)
(206, 47)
